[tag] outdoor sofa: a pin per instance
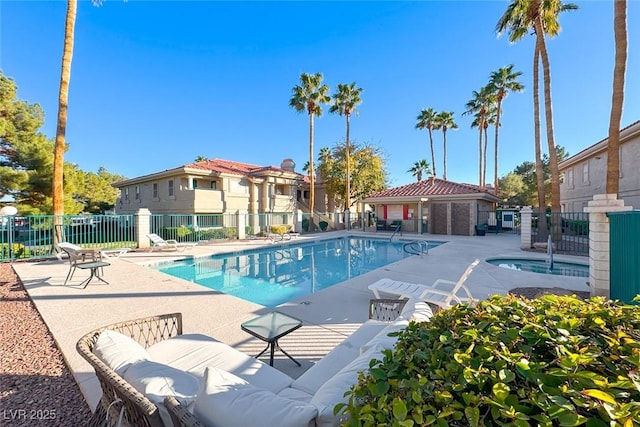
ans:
(152, 374)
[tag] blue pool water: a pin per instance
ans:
(542, 266)
(277, 274)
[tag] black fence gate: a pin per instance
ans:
(569, 231)
(500, 221)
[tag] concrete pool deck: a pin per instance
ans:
(328, 316)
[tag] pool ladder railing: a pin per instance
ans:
(398, 229)
(416, 247)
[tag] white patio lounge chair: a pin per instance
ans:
(158, 242)
(433, 293)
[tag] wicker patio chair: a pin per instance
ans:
(386, 310)
(180, 416)
(120, 403)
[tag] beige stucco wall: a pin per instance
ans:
(574, 198)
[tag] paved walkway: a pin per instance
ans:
(328, 316)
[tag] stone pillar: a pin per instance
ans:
(142, 218)
(526, 215)
(297, 219)
(420, 217)
(241, 220)
(599, 265)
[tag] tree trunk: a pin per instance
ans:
(556, 229)
(433, 156)
(60, 145)
(619, 70)
(312, 180)
(495, 147)
(347, 199)
(444, 153)
(536, 121)
(480, 182)
(484, 154)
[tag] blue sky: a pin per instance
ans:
(154, 84)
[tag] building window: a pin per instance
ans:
(280, 190)
(155, 190)
(585, 174)
(213, 185)
(126, 194)
(195, 184)
(570, 178)
(137, 192)
(170, 188)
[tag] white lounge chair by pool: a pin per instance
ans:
(433, 293)
(158, 242)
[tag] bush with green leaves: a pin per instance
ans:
(508, 361)
(278, 229)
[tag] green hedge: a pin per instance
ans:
(553, 361)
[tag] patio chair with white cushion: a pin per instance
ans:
(428, 293)
(158, 242)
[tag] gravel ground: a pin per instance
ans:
(36, 386)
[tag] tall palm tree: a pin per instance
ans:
(309, 96)
(479, 106)
(519, 19)
(617, 99)
(501, 82)
(419, 168)
(345, 101)
(57, 190)
(426, 120)
(444, 121)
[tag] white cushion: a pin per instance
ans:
(194, 352)
(332, 392)
(156, 381)
(325, 368)
(228, 401)
(383, 339)
(119, 351)
(416, 310)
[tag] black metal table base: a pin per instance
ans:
(272, 346)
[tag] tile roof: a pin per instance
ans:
(229, 166)
(430, 187)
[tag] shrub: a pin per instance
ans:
(178, 233)
(323, 225)
(305, 224)
(18, 250)
(278, 229)
(508, 361)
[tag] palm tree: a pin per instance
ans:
(501, 83)
(345, 101)
(520, 18)
(420, 167)
(309, 96)
(426, 120)
(617, 99)
(444, 121)
(480, 105)
(60, 146)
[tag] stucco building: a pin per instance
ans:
(585, 173)
(434, 206)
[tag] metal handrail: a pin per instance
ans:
(415, 247)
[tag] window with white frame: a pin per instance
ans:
(569, 177)
(155, 190)
(137, 192)
(170, 188)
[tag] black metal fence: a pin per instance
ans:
(569, 231)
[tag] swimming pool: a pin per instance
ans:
(560, 268)
(276, 274)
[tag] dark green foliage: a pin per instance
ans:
(305, 224)
(509, 361)
(578, 227)
(323, 225)
(17, 251)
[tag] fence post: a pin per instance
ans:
(142, 218)
(526, 215)
(241, 217)
(599, 261)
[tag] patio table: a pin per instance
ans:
(270, 328)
